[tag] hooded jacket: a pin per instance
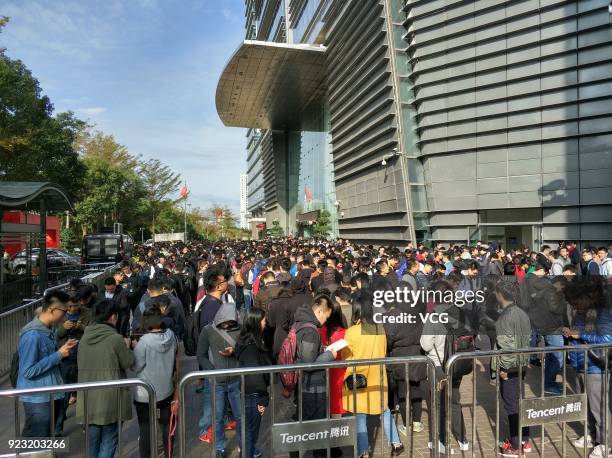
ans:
(309, 350)
(38, 360)
(103, 355)
(211, 342)
(154, 358)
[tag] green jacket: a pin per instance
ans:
(103, 355)
(513, 329)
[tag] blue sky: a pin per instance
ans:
(145, 71)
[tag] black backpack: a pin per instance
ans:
(460, 340)
(14, 371)
(192, 333)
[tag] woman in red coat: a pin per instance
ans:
(332, 331)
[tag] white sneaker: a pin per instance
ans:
(441, 448)
(579, 443)
(599, 452)
(464, 446)
(402, 430)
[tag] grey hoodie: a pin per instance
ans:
(154, 358)
(211, 342)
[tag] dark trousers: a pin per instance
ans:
(38, 419)
(510, 393)
(457, 422)
(252, 422)
(314, 407)
(163, 421)
(70, 374)
(398, 395)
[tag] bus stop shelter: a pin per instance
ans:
(42, 198)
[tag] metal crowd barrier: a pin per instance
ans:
(351, 366)
(13, 320)
(85, 388)
(540, 400)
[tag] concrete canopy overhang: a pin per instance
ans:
(267, 85)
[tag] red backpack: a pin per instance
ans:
(288, 355)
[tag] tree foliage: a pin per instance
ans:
(159, 183)
(106, 182)
(276, 230)
(34, 144)
(322, 227)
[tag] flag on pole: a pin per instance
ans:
(307, 194)
(184, 192)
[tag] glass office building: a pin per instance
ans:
(431, 120)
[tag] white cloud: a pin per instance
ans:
(91, 111)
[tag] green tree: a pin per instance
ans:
(159, 183)
(69, 240)
(321, 228)
(34, 144)
(96, 146)
(276, 230)
(112, 194)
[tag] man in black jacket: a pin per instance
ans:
(309, 350)
(115, 292)
(547, 310)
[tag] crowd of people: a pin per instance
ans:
(235, 304)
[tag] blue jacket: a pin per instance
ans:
(39, 360)
(602, 335)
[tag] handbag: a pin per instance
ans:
(358, 381)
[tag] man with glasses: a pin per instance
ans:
(216, 286)
(39, 366)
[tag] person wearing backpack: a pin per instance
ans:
(439, 341)
(38, 365)
(512, 331)
(308, 349)
(216, 350)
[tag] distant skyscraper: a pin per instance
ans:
(244, 180)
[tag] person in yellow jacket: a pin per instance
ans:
(367, 340)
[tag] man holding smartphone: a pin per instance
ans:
(39, 366)
(72, 327)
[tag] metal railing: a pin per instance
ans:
(351, 366)
(13, 320)
(495, 355)
(85, 388)
(15, 291)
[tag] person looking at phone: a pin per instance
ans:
(72, 326)
(39, 366)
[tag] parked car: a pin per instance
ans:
(106, 247)
(55, 258)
